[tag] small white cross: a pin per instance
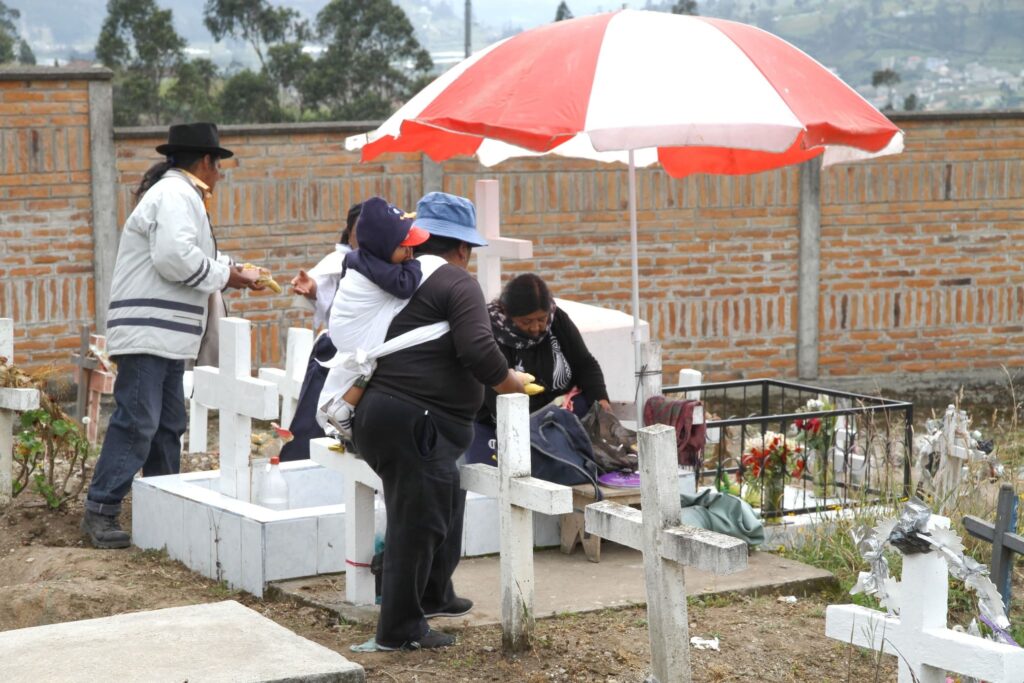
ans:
(488, 259)
(232, 390)
(289, 380)
(918, 637)
(12, 400)
(519, 495)
(667, 546)
(360, 484)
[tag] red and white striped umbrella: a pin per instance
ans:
(698, 95)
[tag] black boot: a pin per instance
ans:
(104, 531)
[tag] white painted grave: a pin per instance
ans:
(289, 380)
(925, 649)
(667, 546)
(519, 496)
(488, 259)
(248, 546)
(12, 401)
(361, 482)
(231, 390)
(608, 333)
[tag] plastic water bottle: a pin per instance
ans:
(274, 489)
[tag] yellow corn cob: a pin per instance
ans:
(265, 277)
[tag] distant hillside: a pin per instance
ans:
(953, 55)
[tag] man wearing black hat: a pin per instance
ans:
(167, 267)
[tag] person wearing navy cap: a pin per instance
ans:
(376, 281)
(416, 418)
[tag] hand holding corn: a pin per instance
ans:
(265, 278)
(529, 386)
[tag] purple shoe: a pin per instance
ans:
(620, 480)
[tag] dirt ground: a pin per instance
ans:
(48, 574)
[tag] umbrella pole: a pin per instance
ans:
(636, 293)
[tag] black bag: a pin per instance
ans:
(560, 449)
(614, 445)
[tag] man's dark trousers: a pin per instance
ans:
(413, 451)
(144, 431)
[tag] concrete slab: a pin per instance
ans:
(570, 583)
(222, 641)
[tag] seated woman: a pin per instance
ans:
(539, 338)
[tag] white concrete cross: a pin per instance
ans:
(667, 547)
(232, 390)
(360, 484)
(918, 637)
(488, 259)
(12, 400)
(289, 380)
(518, 494)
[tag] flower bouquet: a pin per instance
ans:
(768, 460)
(815, 434)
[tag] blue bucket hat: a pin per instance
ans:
(448, 215)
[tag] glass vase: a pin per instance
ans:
(774, 494)
(822, 478)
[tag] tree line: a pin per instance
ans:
(13, 50)
(369, 61)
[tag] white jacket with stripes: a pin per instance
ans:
(167, 267)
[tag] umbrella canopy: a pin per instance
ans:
(697, 95)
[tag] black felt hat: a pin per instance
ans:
(194, 137)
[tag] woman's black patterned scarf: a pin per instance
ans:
(507, 334)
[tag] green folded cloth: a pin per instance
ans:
(724, 513)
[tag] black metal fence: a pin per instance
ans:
(838, 447)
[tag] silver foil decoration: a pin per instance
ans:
(909, 534)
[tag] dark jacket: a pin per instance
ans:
(539, 362)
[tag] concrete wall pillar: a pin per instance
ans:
(104, 198)
(433, 175)
(809, 269)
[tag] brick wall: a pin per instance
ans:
(920, 255)
(46, 247)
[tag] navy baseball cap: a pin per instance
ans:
(448, 215)
(381, 227)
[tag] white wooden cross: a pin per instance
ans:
(12, 400)
(518, 494)
(198, 417)
(925, 649)
(488, 259)
(359, 486)
(667, 546)
(232, 390)
(289, 380)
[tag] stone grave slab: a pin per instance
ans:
(219, 642)
(573, 584)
